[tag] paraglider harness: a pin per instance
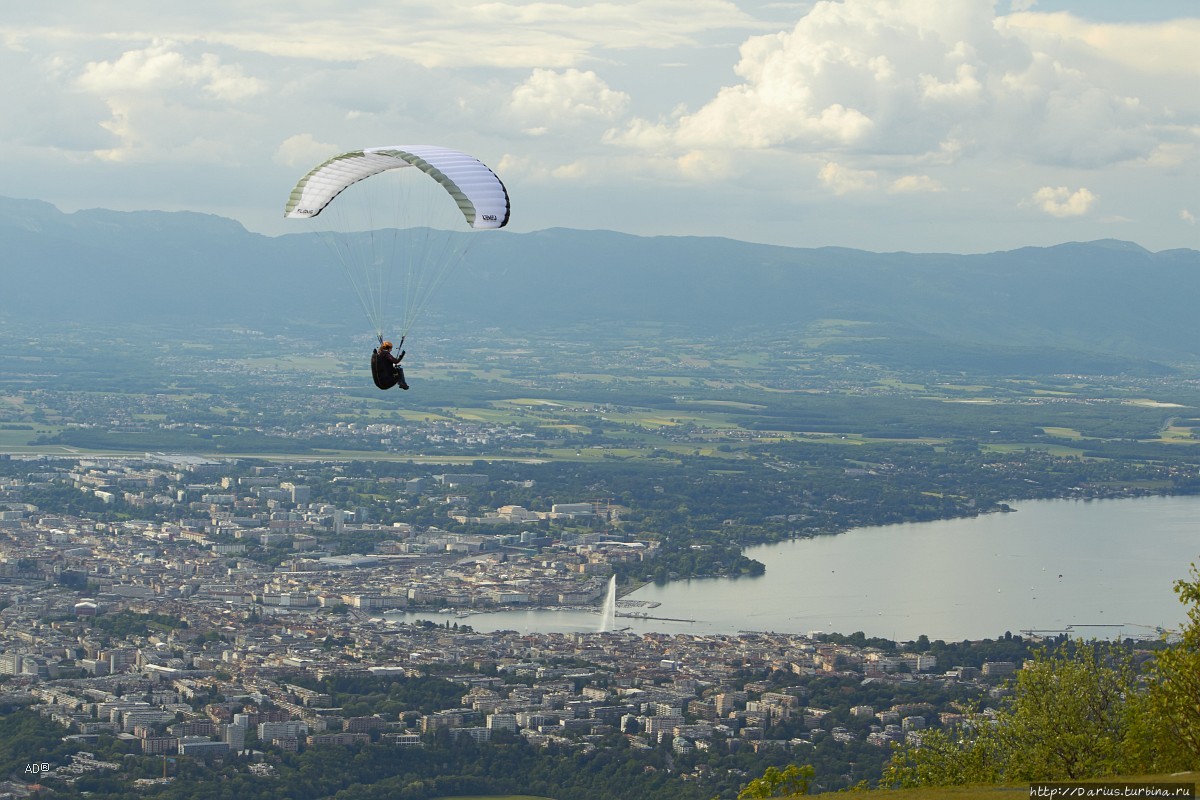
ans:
(385, 371)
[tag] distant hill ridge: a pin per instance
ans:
(1107, 297)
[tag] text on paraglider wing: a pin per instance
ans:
(490, 217)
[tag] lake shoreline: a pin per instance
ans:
(1060, 565)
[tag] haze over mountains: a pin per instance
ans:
(1097, 306)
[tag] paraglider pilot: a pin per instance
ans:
(385, 367)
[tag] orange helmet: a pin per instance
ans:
(386, 345)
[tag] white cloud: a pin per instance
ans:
(1059, 201)
(573, 171)
(920, 80)
(1171, 155)
(42, 108)
(844, 180)
(964, 86)
(163, 103)
(1159, 48)
(1187, 216)
(706, 165)
(862, 75)
(463, 33)
(160, 67)
(552, 99)
(916, 183)
(303, 150)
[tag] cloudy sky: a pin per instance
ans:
(920, 125)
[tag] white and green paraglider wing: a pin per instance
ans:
(398, 232)
(480, 195)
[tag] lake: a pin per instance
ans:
(1098, 568)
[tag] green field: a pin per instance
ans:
(581, 400)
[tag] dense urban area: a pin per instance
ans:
(176, 637)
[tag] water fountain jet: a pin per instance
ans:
(608, 612)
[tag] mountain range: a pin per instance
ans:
(1105, 305)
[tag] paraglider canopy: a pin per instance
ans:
(405, 228)
(479, 193)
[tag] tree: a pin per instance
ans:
(791, 781)
(942, 760)
(1072, 716)
(1170, 718)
